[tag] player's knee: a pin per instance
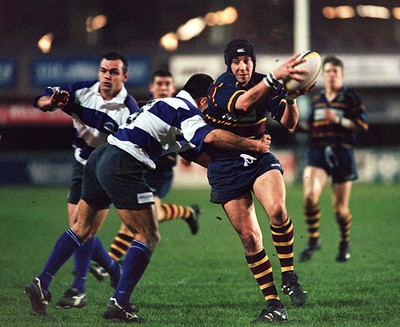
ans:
(310, 200)
(278, 214)
(154, 239)
(83, 233)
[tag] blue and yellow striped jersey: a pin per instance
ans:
(221, 112)
(346, 104)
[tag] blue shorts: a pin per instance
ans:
(160, 181)
(336, 161)
(231, 177)
(112, 175)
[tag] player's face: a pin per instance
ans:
(162, 87)
(111, 77)
(242, 67)
(333, 76)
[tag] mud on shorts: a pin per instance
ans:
(231, 177)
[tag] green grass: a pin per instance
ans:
(203, 280)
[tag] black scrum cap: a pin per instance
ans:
(236, 48)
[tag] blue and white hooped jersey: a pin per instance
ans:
(93, 117)
(160, 127)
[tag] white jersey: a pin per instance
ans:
(162, 126)
(93, 117)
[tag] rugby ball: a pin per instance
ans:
(312, 65)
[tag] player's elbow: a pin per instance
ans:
(243, 104)
(211, 137)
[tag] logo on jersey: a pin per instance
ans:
(145, 197)
(248, 160)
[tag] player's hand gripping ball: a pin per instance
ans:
(313, 65)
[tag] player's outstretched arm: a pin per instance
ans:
(227, 140)
(56, 101)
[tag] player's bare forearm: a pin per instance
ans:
(227, 140)
(203, 160)
(290, 117)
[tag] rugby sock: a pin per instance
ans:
(120, 246)
(261, 268)
(103, 258)
(62, 251)
(174, 211)
(313, 217)
(283, 237)
(344, 223)
(81, 261)
(136, 260)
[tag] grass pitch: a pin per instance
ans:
(203, 280)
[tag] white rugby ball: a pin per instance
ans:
(312, 65)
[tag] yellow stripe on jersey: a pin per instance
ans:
(362, 124)
(229, 107)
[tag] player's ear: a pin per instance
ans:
(202, 103)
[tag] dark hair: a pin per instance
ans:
(236, 48)
(117, 56)
(161, 73)
(197, 85)
(333, 60)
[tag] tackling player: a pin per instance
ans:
(114, 173)
(160, 182)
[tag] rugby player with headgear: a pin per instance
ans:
(115, 174)
(240, 101)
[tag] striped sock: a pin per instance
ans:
(120, 246)
(261, 268)
(312, 218)
(174, 211)
(283, 237)
(344, 226)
